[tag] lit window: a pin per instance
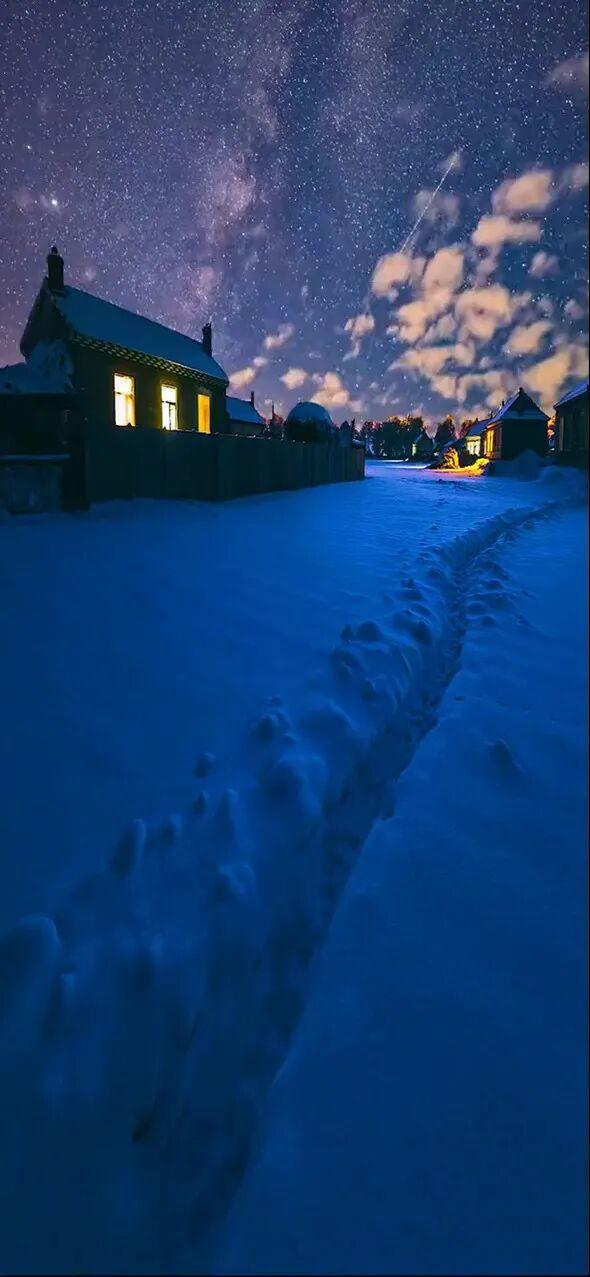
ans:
(124, 400)
(204, 414)
(169, 408)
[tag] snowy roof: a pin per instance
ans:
(46, 372)
(518, 405)
(104, 322)
(477, 428)
(243, 410)
(575, 393)
(308, 411)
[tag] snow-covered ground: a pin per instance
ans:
(294, 650)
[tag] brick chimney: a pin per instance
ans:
(207, 339)
(55, 271)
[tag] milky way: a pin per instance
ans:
(261, 163)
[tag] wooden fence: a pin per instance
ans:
(110, 463)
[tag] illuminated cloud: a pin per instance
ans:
(571, 75)
(428, 361)
(332, 393)
(444, 328)
(444, 270)
(482, 311)
(274, 341)
(543, 264)
(547, 378)
(391, 270)
(532, 192)
(499, 383)
(414, 317)
(357, 327)
(243, 377)
(495, 230)
(294, 377)
(260, 361)
(527, 338)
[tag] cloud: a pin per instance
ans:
(495, 230)
(445, 207)
(575, 177)
(414, 317)
(573, 310)
(525, 339)
(532, 192)
(294, 377)
(482, 311)
(571, 75)
(274, 341)
(332, 392)
(543, 264)
(428, 361)
(391, 270)
(546, 379)
(444, 270)
(243, 377)
(357, 327)
(443, 329)
(260, 361)
(498, 382)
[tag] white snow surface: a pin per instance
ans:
(208, 710)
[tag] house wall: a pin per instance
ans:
(94, 372)
(572, 432)
(521, 436)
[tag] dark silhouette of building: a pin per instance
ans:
(571, 426)
(518, 426)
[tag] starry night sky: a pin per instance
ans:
(263, 164)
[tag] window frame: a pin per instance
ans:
(129, 397)
(169, 404)
(203, 394)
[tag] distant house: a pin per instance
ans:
(519, 425)
(126, 370)
(423, 447)
(243, 416)
(474, 437)
(571, 426)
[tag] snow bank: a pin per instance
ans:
(147, 1018)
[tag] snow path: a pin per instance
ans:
(431, 1113)
(147, 1020)
(142, 634)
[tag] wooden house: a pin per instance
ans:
(571, 427)
(473, 439)
(127, 370)
(518, 426)
(243, 416)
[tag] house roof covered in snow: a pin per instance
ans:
(477, 429)
(243, 410)
(518, 405)
(575, 393)
(104, 322)
(99, 322)
(46, 372)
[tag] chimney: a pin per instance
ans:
(252, 397)
(55, 271)
(207, 339)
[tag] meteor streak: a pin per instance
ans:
(453, 161)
